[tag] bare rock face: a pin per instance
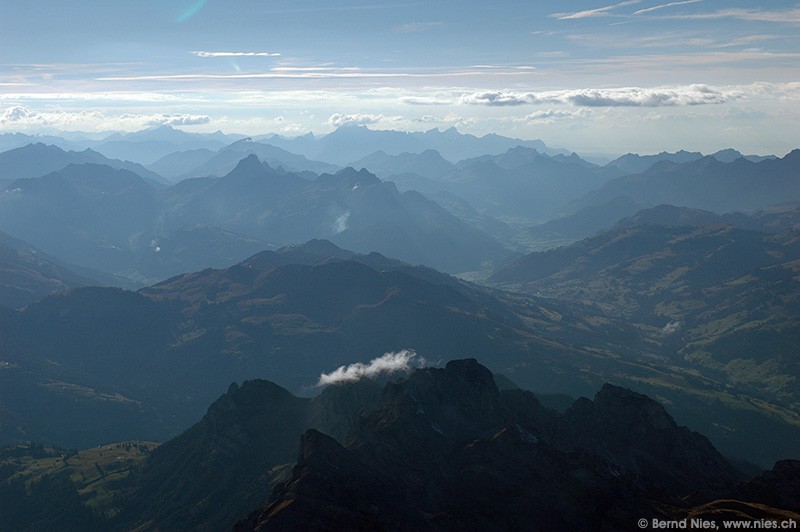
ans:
(637, 433)
(442, 449)
(779, 487)
(445, 450)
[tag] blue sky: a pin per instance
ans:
(592, 76)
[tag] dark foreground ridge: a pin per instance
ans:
(441, 449)
(446, 450)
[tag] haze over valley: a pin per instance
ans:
(350, 266)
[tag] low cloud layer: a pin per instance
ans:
(671, 328)
(551, 116)
(16, 113)
(202, 53)
(619, 97)
(389, 364)
(179, 120)
(359, 119)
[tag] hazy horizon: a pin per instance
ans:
(592, 77)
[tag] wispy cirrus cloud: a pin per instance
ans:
(786, 16)
(418, 27)
(203, 53)
(598, 12)
(329, 73)
(664, 6)
(425, 100)
(616, 97)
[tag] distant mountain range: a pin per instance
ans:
(633, 163)
(350, 143)
(204, 163)
(149, 145)
(353, 209)
(518, 183)
(116, 221)
(36, 160)
(345, 144)
(522, 184)
(503, 180)
(708, 184)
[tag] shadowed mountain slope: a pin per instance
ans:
(156, 356)
(713, 301)
(26, 275)
(430, 449)
(445, 449)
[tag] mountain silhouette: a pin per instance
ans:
(709, 184)
(446, 449)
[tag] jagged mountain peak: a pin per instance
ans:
(318, 247)
(249, 163)
(351, 177)
(632, 407)
(793, 156)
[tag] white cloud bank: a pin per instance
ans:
(21, 117)
(179, 120)
(17, 113)
(360, 119)
(616, 97)
(390, 363)
(551, 116)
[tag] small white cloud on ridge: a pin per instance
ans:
(620, 97)
(389, 363)
(671, 328)
(203, 53)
